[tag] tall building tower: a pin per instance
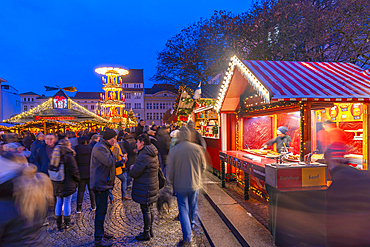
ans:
(113, 101)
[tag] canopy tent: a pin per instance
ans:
(294, 81)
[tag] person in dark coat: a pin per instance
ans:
(146, 186)
(139, 128)
(63, 153)
(24, 199)
(347, 201)
(83, 158)
(94, 140)
(128, 145)
(164, 143)
(39, 140)
(102, 175)
(27, 140)
(42, 154)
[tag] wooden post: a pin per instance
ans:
(246, 186)
(45, 128)
(223, 174)
(366, 136)
(305, 128)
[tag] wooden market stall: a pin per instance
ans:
(57, 113)
(205, 117)
(259, 96)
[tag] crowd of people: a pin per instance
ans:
(43, 171)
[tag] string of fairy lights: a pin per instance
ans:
(251, 78)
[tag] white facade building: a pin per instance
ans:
(158, 99)
(89, 100)
(133, 89)
(10, 102)
(30, 100)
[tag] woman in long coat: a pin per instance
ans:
(145, 188)
(63, 153)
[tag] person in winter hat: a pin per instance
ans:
(282, 140)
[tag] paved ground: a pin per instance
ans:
(124, 220)
(256, 207)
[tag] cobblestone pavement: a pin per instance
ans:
(124, 220)
(255, 206)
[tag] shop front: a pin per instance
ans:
(262, 102)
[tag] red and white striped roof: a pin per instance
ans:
(288, 80)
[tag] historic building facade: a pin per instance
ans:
(158, 99)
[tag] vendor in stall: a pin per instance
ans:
(281, 139)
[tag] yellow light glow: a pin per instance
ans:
(111, 71)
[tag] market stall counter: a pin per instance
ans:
(296, 194)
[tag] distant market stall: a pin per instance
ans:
(202, 112)
(58, 113)
(259, 96)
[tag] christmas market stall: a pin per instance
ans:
(58, 113)
(202, 111)
(261, 100)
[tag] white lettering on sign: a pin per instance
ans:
(289, 178)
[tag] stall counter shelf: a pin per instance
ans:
(296, 196)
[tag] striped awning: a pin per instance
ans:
(329, 81)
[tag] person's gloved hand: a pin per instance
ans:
(119, 163)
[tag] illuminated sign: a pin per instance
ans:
(60, 102)
(38, 118)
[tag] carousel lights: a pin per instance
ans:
(111, 71)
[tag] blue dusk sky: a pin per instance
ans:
(61, 42)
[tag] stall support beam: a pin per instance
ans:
(366, 137)
(45, 128)
(223, 174)
(305, 128)
(246, 186)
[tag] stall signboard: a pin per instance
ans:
(341, 112)
(289, 178)
(315, 176)
(296, 177)
(58, 118)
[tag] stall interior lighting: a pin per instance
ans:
(257, 85)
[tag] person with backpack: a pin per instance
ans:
(63, 158)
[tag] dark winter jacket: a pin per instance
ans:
(27, 141)
(138, 130)
(280, 141)
(40, 158)
(348, 207)
(83, 159)
(71, 174)
(128, 145)
(145, 174)
(103, 167)
(92, 144)
(34, 145)
(164, 143)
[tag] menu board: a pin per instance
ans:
(341, 112)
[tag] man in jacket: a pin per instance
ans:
(186, 165)
(140, 128)
(102, 175)
(41, 155)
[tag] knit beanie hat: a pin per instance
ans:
(109, 134)
(283, 129)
